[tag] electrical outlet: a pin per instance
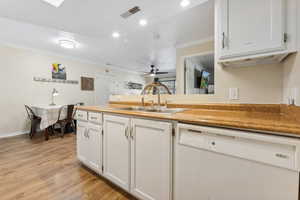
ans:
(234, 94)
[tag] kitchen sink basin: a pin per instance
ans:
(152, 110)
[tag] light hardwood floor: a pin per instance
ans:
(49, 170)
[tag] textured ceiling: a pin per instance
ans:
(91, 23)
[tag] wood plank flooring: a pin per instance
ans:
(49, 170)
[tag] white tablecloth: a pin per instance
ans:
(48, 114)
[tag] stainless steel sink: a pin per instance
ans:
(152, 110)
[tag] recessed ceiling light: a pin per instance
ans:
(185, 3)
(68, 44)
(55, 3)
(143, 22)
(116, 35)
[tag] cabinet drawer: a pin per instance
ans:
(95, 117)
(81, 115)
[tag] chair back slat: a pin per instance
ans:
(74, 113)
(60, 112)
(30, 113)
(70, 112)
(69, 109)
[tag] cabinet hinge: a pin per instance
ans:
(173, 131)
(285, 37)
(102, 168)
(102, 132)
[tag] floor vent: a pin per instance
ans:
(130, 12)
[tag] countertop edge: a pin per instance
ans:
(255, 127)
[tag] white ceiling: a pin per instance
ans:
(36, 24)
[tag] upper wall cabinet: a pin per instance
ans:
(255, 30)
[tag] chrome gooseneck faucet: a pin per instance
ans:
(154, 88)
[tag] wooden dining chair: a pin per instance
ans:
(74, 120)
(34, 119)
(68, 120)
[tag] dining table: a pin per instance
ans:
(49, 116)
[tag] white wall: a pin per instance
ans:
(257, 84)
(291, 72)
(291, 79)
(19, 66)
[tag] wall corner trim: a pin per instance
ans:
(197, 42)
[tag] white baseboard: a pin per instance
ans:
(6, 135)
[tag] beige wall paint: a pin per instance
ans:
(257, 84)
(181, 53)
(291, 71)
(291, 81)
(19, 66)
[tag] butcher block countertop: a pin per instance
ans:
(269, 118)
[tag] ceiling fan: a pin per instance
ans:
(154, 71)
(55, 3)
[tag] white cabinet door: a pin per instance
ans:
(251, 27)
(81, 140)
(94, 147)
(151, 159)
(116, 150)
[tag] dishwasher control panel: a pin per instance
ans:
(278, 151)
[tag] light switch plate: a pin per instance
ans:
(234, 94)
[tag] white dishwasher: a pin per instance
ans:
(222, 164)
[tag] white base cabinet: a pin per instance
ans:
(89, 144)
(137, 156)
(116, 150)
(81, 141)
(94, 150)
(151, 161)
(209, 163)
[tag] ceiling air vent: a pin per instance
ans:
(130, 12)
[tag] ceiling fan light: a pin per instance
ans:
(55, 3)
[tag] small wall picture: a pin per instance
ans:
(133, 86)
(87, 84)
(59, 71)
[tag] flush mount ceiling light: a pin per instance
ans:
(116, 35)
(185, 3)
(68, 44)
(143, 22)
(55, 3)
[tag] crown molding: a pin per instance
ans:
(196, 42)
